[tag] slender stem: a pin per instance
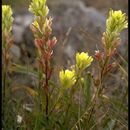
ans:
(94, 101)
(46, 88)
(55, 104)
(79, 108)
(104, 66)
(78, 120)
(100, 86)
(71, 99)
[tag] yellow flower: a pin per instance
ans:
(83, 60)
(7, 18)
(39, 8)
(67, 78)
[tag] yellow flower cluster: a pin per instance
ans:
(83, 60)
(7, 18)
(67, 78)
(116, 21)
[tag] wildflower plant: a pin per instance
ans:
(41, 27)
(115, 23)
(72, 101)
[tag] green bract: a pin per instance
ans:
(83, 60)
(39, 8)
(7, 18)
(67, 78)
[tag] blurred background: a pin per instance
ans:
(78, 26)
(79, 23)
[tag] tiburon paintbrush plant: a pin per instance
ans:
(115, 23)
(44, 42)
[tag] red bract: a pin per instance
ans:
(39, 42)
(47, 55)
(51, 43)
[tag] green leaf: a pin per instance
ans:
(87, 87)
(23, 70)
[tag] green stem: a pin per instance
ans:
(59, 95)
(71, 98)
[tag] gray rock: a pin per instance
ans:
(81, 19)
(18, 31)
(21, 22)
(15, 52)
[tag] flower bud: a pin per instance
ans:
(96, 81)
(51, 43)
(98, 55)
